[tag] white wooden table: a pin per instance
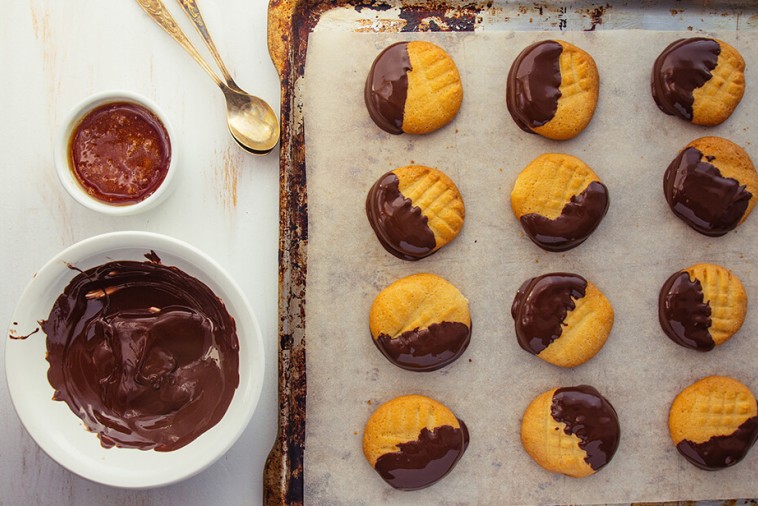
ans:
(53, 54)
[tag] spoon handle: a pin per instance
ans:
(192, 11)
(157, 11)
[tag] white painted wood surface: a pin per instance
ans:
(53, 54)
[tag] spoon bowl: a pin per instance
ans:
(252, 122)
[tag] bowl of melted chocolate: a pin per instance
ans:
(134, 360)
(114, 153)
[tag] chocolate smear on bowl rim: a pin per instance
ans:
(401, 227)
(704, 199)
(578, 219)
(426, 349)
(541, 305)
(684, 315)
(589, 416)
(533, 86)
(421, 463)
(145, 354)
(684, 66)
(386, 88)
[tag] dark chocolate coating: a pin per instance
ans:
(698, 194)
(578, 219)
(387, 88)
(681, 68)
(540, 306)
(426, 349)
(146, 355)
(683, 314)
(721, 451)
(590, 417)
(532, 89)
(400, 226)
(421, 463)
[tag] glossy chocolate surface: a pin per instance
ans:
(400, 226)
(698, 194)
(146, 355)
(681, 68)
(426, 349)
(578, 219)
(721, 451)
(421, 463)
(532, 89)
(683, 314)
(120, 153)
(590, 417)
(387, 88)
(540, 306)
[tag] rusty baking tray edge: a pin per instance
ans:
(289, 24)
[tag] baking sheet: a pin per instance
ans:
(638, 245)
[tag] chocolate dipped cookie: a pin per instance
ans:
(414, 211)
(699, 79)
(420, 322)
(573, 431)
(711, 185)
(702, 306)
(413, 87)
(562, 318)
(559, 201)
(414, 441)
(714, 422)
(552, 89)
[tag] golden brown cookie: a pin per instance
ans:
(711, 185)
(414, 211)
(413, 87)
(714, 422)
(552, 89)
(559, 201)
(420, 322)
(573, 431)
(699, 79)
(414, 441)
(702, 306)
(562, 318)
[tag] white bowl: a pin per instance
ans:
(63, 160)
(59, 432)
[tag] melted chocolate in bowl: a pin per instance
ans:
(146, 355)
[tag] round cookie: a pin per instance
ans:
(702, 306)
(699, 79)
(414, 211)
(420, 322)
(413, 87)
(562, 318)
(710, 185)
(714, 422)
(559, 201)
(414, 441)
(573, 431)
(552, 89)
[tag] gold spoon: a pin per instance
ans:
(251, 120)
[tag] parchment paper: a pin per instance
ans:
(638, 245)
